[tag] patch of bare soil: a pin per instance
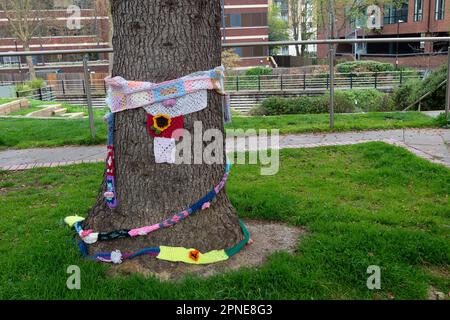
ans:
(267, 236)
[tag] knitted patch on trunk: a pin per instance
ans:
(154, 130)
(164, 150)
(189, 103)
(110, 194)
(123, 94)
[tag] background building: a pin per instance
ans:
(415, 18)
(55, 33)
(246, 21)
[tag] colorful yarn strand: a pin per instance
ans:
(91, 237)
(173, 254)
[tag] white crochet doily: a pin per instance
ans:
(189, 103)
(164, 150)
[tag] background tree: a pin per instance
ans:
(157, 41)
(24, 18)
(278, 28)
(230, 59)
(301, 17)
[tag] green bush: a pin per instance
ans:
(297, 105)
(24, 89)
(36, 83)
(258, 71)
(346, 101)
(435, 101)
(364, 66)
(258, 111)
(441, 121)
(406, 94)
(413, 89)
(367, 100)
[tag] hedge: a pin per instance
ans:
(346, 101)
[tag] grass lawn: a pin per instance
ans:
(28, 133)
(343, 122)
(369, 204)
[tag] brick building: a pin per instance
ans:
(55, 33)
(246, 21)
(416, 18)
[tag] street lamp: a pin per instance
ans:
(398, 35)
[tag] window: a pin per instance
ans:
(394, 14)
(418, 8)
(233, 20)
(246, 52)
(440, 7)
(258, 19)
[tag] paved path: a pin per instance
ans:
(431, 144)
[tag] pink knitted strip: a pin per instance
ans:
(143, 230)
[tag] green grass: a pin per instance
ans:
(343, 122)
(28, 133)
(369, 204)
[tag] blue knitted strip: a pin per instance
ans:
(110, 119)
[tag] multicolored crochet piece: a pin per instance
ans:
(201, 204)
(173, 254)
(123, 94)
(156, 131)
(110, 194)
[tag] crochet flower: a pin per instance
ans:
(116, 257)
(161, 122)
(194, 255)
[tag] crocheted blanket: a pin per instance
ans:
(123, 94)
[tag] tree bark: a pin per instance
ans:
(157, 41)
(29, 59)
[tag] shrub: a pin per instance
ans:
(368, 100)
(36, 83)
(297, 105)
(441, 121)
(24, 89)
(346, 101)
(435, 101)
(406, 94)
(258, 71)
(258, 111)
(413, 89)
(364, 66)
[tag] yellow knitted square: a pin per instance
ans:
(193, 256)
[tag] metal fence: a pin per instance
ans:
(311, 82)
(320, 81)
(333, 79)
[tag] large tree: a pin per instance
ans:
(157, 41)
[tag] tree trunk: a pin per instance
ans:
(31, 70)
(157, 41)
